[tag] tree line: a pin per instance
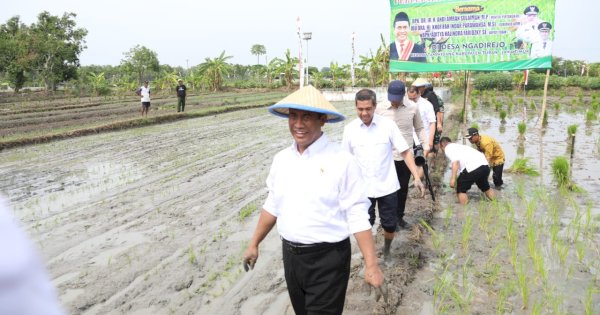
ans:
(46, 53)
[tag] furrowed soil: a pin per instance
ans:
(154, 220)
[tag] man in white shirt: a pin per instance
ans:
(144, 92)
(472, 167)
(317, 198)
(371, 138)
(25, 287)
(542, 47)
(406, 116)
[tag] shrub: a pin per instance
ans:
(496, 80)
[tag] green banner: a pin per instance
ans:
(486, 35)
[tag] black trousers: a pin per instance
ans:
(403, 174)
(497, 175)
(317, 276)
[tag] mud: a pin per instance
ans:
(147, 221)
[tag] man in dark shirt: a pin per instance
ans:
(181, 94)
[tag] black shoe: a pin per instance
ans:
(402, 225)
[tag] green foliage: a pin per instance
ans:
(139, 60)
(503, 115)
(572, 130)
(560, 171)
(545, 119)
(247, 210)
(557, 106)
(590, 116)
(215, 70)
(258, 50)
(474, 125)
(521, 166)
(497, 81)
(522, 127)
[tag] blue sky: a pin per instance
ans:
(187, 31)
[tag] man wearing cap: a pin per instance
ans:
(492, 151)
(144, 93)
(471, 167)
(527, 32)
(403, 49)
(407, 118)
(426, 91)
(371, 138)
(181, 90)
(542, 47)
(317, 198)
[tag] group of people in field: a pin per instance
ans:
(144, 93)
(320, 192)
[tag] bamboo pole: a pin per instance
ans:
(541, 120)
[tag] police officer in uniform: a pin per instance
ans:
(543, 47)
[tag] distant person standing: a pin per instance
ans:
(471, 167)
(181, 95)
(144, 92)
(492, 151)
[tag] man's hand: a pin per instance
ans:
(374, 277)
(439, 128)
(420, 186)
(250, 258)
(452, 182)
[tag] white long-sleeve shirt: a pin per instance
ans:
(317, 196)
(372, 146)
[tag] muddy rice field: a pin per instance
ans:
(154, 220)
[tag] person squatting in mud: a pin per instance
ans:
(317, 198)
(472, 167)
(371, 138)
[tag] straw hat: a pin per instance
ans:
(420, 82)
(309, 99)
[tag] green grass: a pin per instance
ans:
(247, 210)
(572, 130)
(522, 127)
(590, 116)
(560, 171)
(521, 166)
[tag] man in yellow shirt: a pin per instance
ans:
(492, 151)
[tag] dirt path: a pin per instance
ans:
(147, 221)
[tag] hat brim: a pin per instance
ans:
(283, 110)
(395, 98)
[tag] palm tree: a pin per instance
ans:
(258, 50)
(215, 69)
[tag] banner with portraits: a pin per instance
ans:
(485, 35)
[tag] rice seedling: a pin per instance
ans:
(510, 106)
(503, 116)
(560, 171)
(532, 105)
(502, 304)
(475, 125)
(522, 127)
(466, 233)
(572, 130)
(562, 94)
(521, 166)
(247, 210)
(497, 105)
(556, 106)
(562, 249)
(590, 116)
(545, 119)
(595, 106)
(580, 250)
(589, 299)
(473, 103)
(523, 283)
(574, 102)
(192, 256)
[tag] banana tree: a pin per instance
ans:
(215, 70)
(287, 66)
